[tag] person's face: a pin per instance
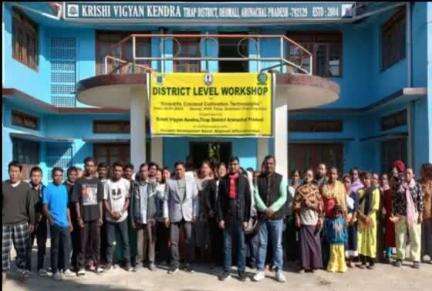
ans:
(102, 172)
(152, 171)
(166, 174)
(269, 165)
(395, 172)
(409, 174)
(333, 175)
(222, 171)
(72, 176)
(234, 166)
(36, 178)
(355, 175)
(14, 174)
(144, 172)
(159, 176)
(296, 176)
(117, 172)
(205, 170)
(180, 171)
(322, 170)
(90, 168)
(308, 177)
(367, 182)
(375, 179)
(128, 172)
(347, 183)
(79, 173)
(57, 177)
(384, 180)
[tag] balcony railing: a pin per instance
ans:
(133, 53)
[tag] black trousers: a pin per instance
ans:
(175, 229)
(111, 229)
(162, 240)
(60, 239)
(40, 234)
(216, 242)
(89, 243)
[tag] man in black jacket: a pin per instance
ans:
(233, 212)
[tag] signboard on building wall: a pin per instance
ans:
(163, 12)
(219, 104)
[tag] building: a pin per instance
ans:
(74, 78)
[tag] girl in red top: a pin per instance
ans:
(389, 227)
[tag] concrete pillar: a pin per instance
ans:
(262, 151)
(156, 150)
(137, 127)
(281, 136)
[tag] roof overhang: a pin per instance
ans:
(35, 137)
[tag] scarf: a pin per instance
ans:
(411, 210)
(232, 190)
(367, 197)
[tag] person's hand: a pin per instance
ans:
(193, 220)
(100, 221)
(70, 227)
(394, 218)
(81, 222)
(151, 222)
(116, 215)
(31, 228)
(245, 225)
(211, 214)
(222, 224)
(50, 220)
(133, 224)
(167, 222)
(269, 212)
(420, 218)
(297, 222)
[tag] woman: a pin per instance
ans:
(162, 232)
(369, 201)
(308, 207)
(352, 205)
(389, 228)
(426, 185)
(295, 179)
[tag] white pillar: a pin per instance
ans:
(156, 150)
(281, 137)
(137, 128)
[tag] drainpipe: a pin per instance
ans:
(410, 106)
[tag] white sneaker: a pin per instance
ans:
(81, 272)
(43, 272)
(99, 270)
(280, 277)
(23, 272)
(57, 276)
(259, 276)
(68, 273)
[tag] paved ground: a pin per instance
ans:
(384, 277)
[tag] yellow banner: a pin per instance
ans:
(219, 104)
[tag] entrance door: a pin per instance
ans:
(305, 156)
(392, 150)
(233, 48)
(212, 151)
(111, 152)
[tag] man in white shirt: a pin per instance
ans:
(116, 200)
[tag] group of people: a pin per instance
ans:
(109, 215)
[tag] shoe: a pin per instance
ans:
(397, 263)
(57, 276)
(152, 267)
(173, 270)
(258, 276)
(42, 273)
(242, 276)
(426, 259)
(224, 276)
(68, 273)
(361, 266)
(81, 272)
(92, 268)
(129, 268)
(349, 264)
(188, 268)
(99, 269)
(370, 267)
(280, 277)
(416, 265)
(108, 267)
(24, 273)
(302, 271)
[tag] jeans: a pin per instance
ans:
(60, 239)
(234, 229)
(174, 237)
(272, 229)
(111, 229)
(162, 239)
(89, 243)
(40, 234)
(146, 241)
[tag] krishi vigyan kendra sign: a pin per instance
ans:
(204, 104)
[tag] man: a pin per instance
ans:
(144, 210)
(55, 206)
(71, 177)
(180, 211)
(102, 170)
(41, 229)
(129, 172)
(116, 201)
(87, 196)
(18, 218)
(233, 207)
(321, 175)
(270, 196)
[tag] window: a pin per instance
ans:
(392, 150)
(315, 125)
(24, 120)
(184, 48)
(303, 156)
(326, 50)
(394, 120)
(107, 44)
(24, 40)
(393, 39)
(111, 152)
(111, 126)
(25, 151)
